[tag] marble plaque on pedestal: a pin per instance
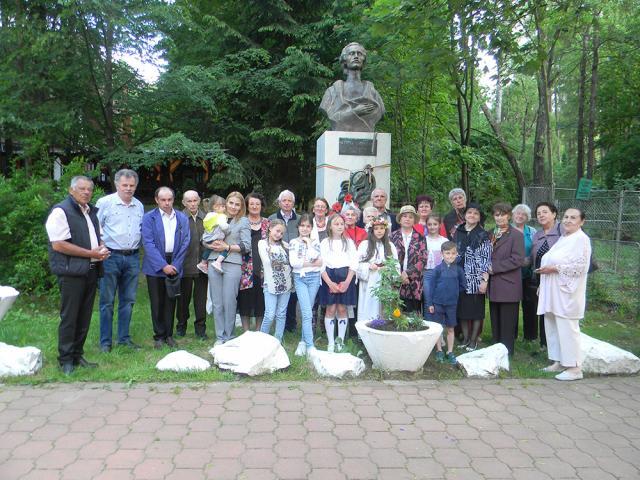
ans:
(339, 154)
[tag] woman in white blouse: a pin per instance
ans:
(562, 295)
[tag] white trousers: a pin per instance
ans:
(563, 340)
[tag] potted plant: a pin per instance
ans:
(396, 341)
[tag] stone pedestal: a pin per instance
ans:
(341, 153)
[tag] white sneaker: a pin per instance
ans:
(202, 268)
(218, 342)
(331, 347)
(301, 351)
(554, 367)
(311, 351)
(217, 267)
(568, 376)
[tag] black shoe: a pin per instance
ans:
(130, 344)
(84, 363)
(67, 368)
(105, 348)
(158, 344)
(180, 333)
(171, 342)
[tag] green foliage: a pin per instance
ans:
(388, 293)
(23, 257)
(226, 172)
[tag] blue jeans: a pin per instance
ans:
(307, 289)
(275, 306)
(121, 273)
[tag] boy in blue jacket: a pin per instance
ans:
(443, 285)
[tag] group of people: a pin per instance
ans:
(326, 259)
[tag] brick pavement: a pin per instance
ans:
(515, 429)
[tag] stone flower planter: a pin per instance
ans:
(8, 295)
(399, 351)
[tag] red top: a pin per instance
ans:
(422, 229)
(357, 234)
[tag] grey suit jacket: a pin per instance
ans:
(239, 234)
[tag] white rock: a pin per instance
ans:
(338, 365)
(8, 295)
(182, 361)
(485, 362)
(606, 359)
(16, 361)
(252, 353)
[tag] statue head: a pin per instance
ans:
(353, 57)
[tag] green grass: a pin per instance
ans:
(34, 321)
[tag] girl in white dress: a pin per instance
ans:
(372, 254)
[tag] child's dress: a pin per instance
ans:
(337, 262)
(368, 304)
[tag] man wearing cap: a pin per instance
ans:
(75, 257)
(120, 215)
(165, 236)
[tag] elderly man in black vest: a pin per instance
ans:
(75, 256)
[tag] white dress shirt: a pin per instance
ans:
(169, 222)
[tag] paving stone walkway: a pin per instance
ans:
(525, 429)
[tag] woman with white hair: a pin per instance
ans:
(521, 216)
(351, 214)
(455, 217)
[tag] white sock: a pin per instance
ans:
(342, 327)
(329, 324)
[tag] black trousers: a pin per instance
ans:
(412, 305)
(76, 306)
(196, 286)
(529, 306)
(162, 308)
(291, 322)
(504, 318)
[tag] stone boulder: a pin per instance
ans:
(182, 361)
(485, 362)
(15, 361)
(8, 295)
(337, 365)
(252, 353)
(606, 359)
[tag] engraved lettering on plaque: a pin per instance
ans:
(357, 146)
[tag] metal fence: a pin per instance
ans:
(613, 223)
(615, 286)
(611, 214)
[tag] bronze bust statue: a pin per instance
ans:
(353, 105)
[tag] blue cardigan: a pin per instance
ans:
(153, 241)
(443, 284)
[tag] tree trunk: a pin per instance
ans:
(581, 92)
(498, 116)
(505, 148)
(540, 142)
(591, 146)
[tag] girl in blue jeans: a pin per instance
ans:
(277, 284)
(304, 255)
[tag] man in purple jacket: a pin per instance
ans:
(165, 236)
